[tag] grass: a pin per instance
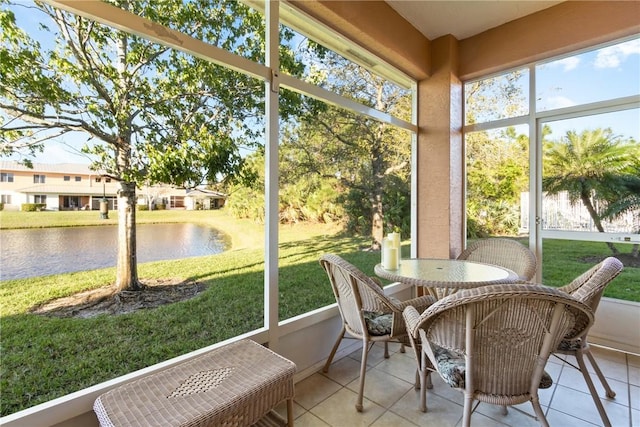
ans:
(565, 259)
(45, 358)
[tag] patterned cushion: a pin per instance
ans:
(574, 345)
(451, 366)
(378, 323)
(546, 381)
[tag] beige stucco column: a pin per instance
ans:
(440, 155)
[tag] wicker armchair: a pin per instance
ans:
(367, 313)
(492, 342)
(505, 253)
(588, 288)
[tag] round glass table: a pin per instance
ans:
(441, 277)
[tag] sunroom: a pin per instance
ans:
(434, 76)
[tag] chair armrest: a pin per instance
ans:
(377, 282)
(420, 303)
(412, 319)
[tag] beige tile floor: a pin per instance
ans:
(391, 400)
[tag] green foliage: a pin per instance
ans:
(624, 196)
(363, 160)
(589, 163)
(497, 173)
(168, 116)
(493, 217)
(32, 207)
(596, 168)
(151, 114)
(397, 205)
(495, 98)
(246, 203)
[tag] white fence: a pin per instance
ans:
(558, 213)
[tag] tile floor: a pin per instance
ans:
(390, 398)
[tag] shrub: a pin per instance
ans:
(160, 206)
(33, 207)
(142, 207)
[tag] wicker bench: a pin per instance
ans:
(234, 385)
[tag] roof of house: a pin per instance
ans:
(205, 193)
(64, 190)
(69, 168)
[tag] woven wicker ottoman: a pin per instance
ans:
(234, 385)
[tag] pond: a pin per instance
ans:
(44, 251)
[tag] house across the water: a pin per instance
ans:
(71, 186)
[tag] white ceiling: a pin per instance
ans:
(463, 18)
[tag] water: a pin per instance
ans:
(40, 252)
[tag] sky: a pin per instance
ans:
(593, 76)
(598, 75)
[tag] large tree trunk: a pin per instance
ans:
(378, 166)
(586, 200)
(377, 231)
(127, 266)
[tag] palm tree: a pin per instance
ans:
(591, 166)
(628, 199)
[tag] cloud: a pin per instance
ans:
(567, 64)
(613, 56)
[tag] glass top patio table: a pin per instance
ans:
(441, 277)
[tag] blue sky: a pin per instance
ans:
(597, 75)
(606, 73)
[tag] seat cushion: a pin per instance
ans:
(574, 345)
(451, 367)
(378, 323)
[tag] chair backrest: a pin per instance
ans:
(355, 292)
(590, 285)
(505, 333)
(506, 253)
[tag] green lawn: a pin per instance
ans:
(44, 358)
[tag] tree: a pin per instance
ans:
(497, 161)
(364, 158)
(339, 165)
(497, 174)
(626, 198)
(152, 114)
(592, 166)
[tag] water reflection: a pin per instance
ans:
(40, 252)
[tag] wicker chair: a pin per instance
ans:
(492, 342)
(505, 253)
(367, 313)
(588, 288)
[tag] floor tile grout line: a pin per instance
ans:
(626, 359)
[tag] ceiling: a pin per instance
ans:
(462, 18)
